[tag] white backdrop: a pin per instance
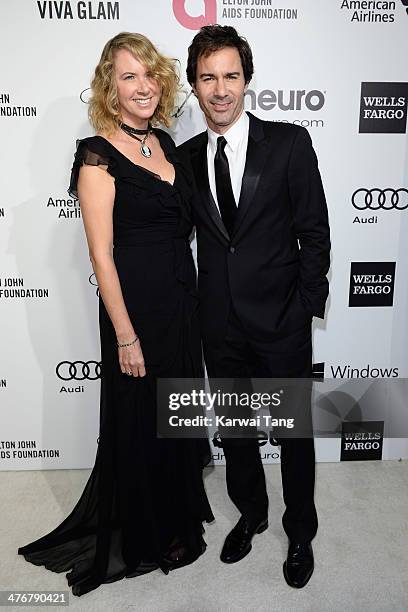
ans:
(311, 58)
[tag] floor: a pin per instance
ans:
(361, 549)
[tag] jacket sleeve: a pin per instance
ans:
(310, 222)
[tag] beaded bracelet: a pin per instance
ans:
(129, 343)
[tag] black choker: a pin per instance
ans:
(144, 148)
(131, 130)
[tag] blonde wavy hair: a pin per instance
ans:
(104, 111)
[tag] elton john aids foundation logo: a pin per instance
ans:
(195, 23)
(229, 10)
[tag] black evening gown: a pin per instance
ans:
(144, 493)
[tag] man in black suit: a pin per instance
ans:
(263, 254)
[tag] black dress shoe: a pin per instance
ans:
(238, 542)
(299, 565)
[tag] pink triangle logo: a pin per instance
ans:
(197, 22)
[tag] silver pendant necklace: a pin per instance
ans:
(144, 148)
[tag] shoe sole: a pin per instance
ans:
(262, 527)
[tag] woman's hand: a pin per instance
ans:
(131, 360)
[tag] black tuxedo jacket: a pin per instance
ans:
(273, 267)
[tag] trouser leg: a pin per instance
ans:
(292, 358)
(230, 358)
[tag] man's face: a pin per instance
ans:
(220, 88)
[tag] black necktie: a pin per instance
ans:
(225, 195)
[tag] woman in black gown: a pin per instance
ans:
(144, 504)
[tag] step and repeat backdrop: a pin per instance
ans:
(336, 67)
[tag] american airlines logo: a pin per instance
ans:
(372, 11)
(383, 108)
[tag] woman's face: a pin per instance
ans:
(138, 93)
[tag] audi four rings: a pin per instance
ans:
(92, 280)
(79, 370)
(384, 199)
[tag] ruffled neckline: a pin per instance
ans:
(168, 153)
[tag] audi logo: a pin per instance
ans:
(79, 370)
(85, 95)
(384, 199)
(92, 280)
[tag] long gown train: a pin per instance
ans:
(145, 496)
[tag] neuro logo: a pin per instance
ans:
(195, 22)
(286, 100)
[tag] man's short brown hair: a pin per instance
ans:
(212, 38)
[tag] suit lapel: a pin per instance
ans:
(200, 169)
(254, 165)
